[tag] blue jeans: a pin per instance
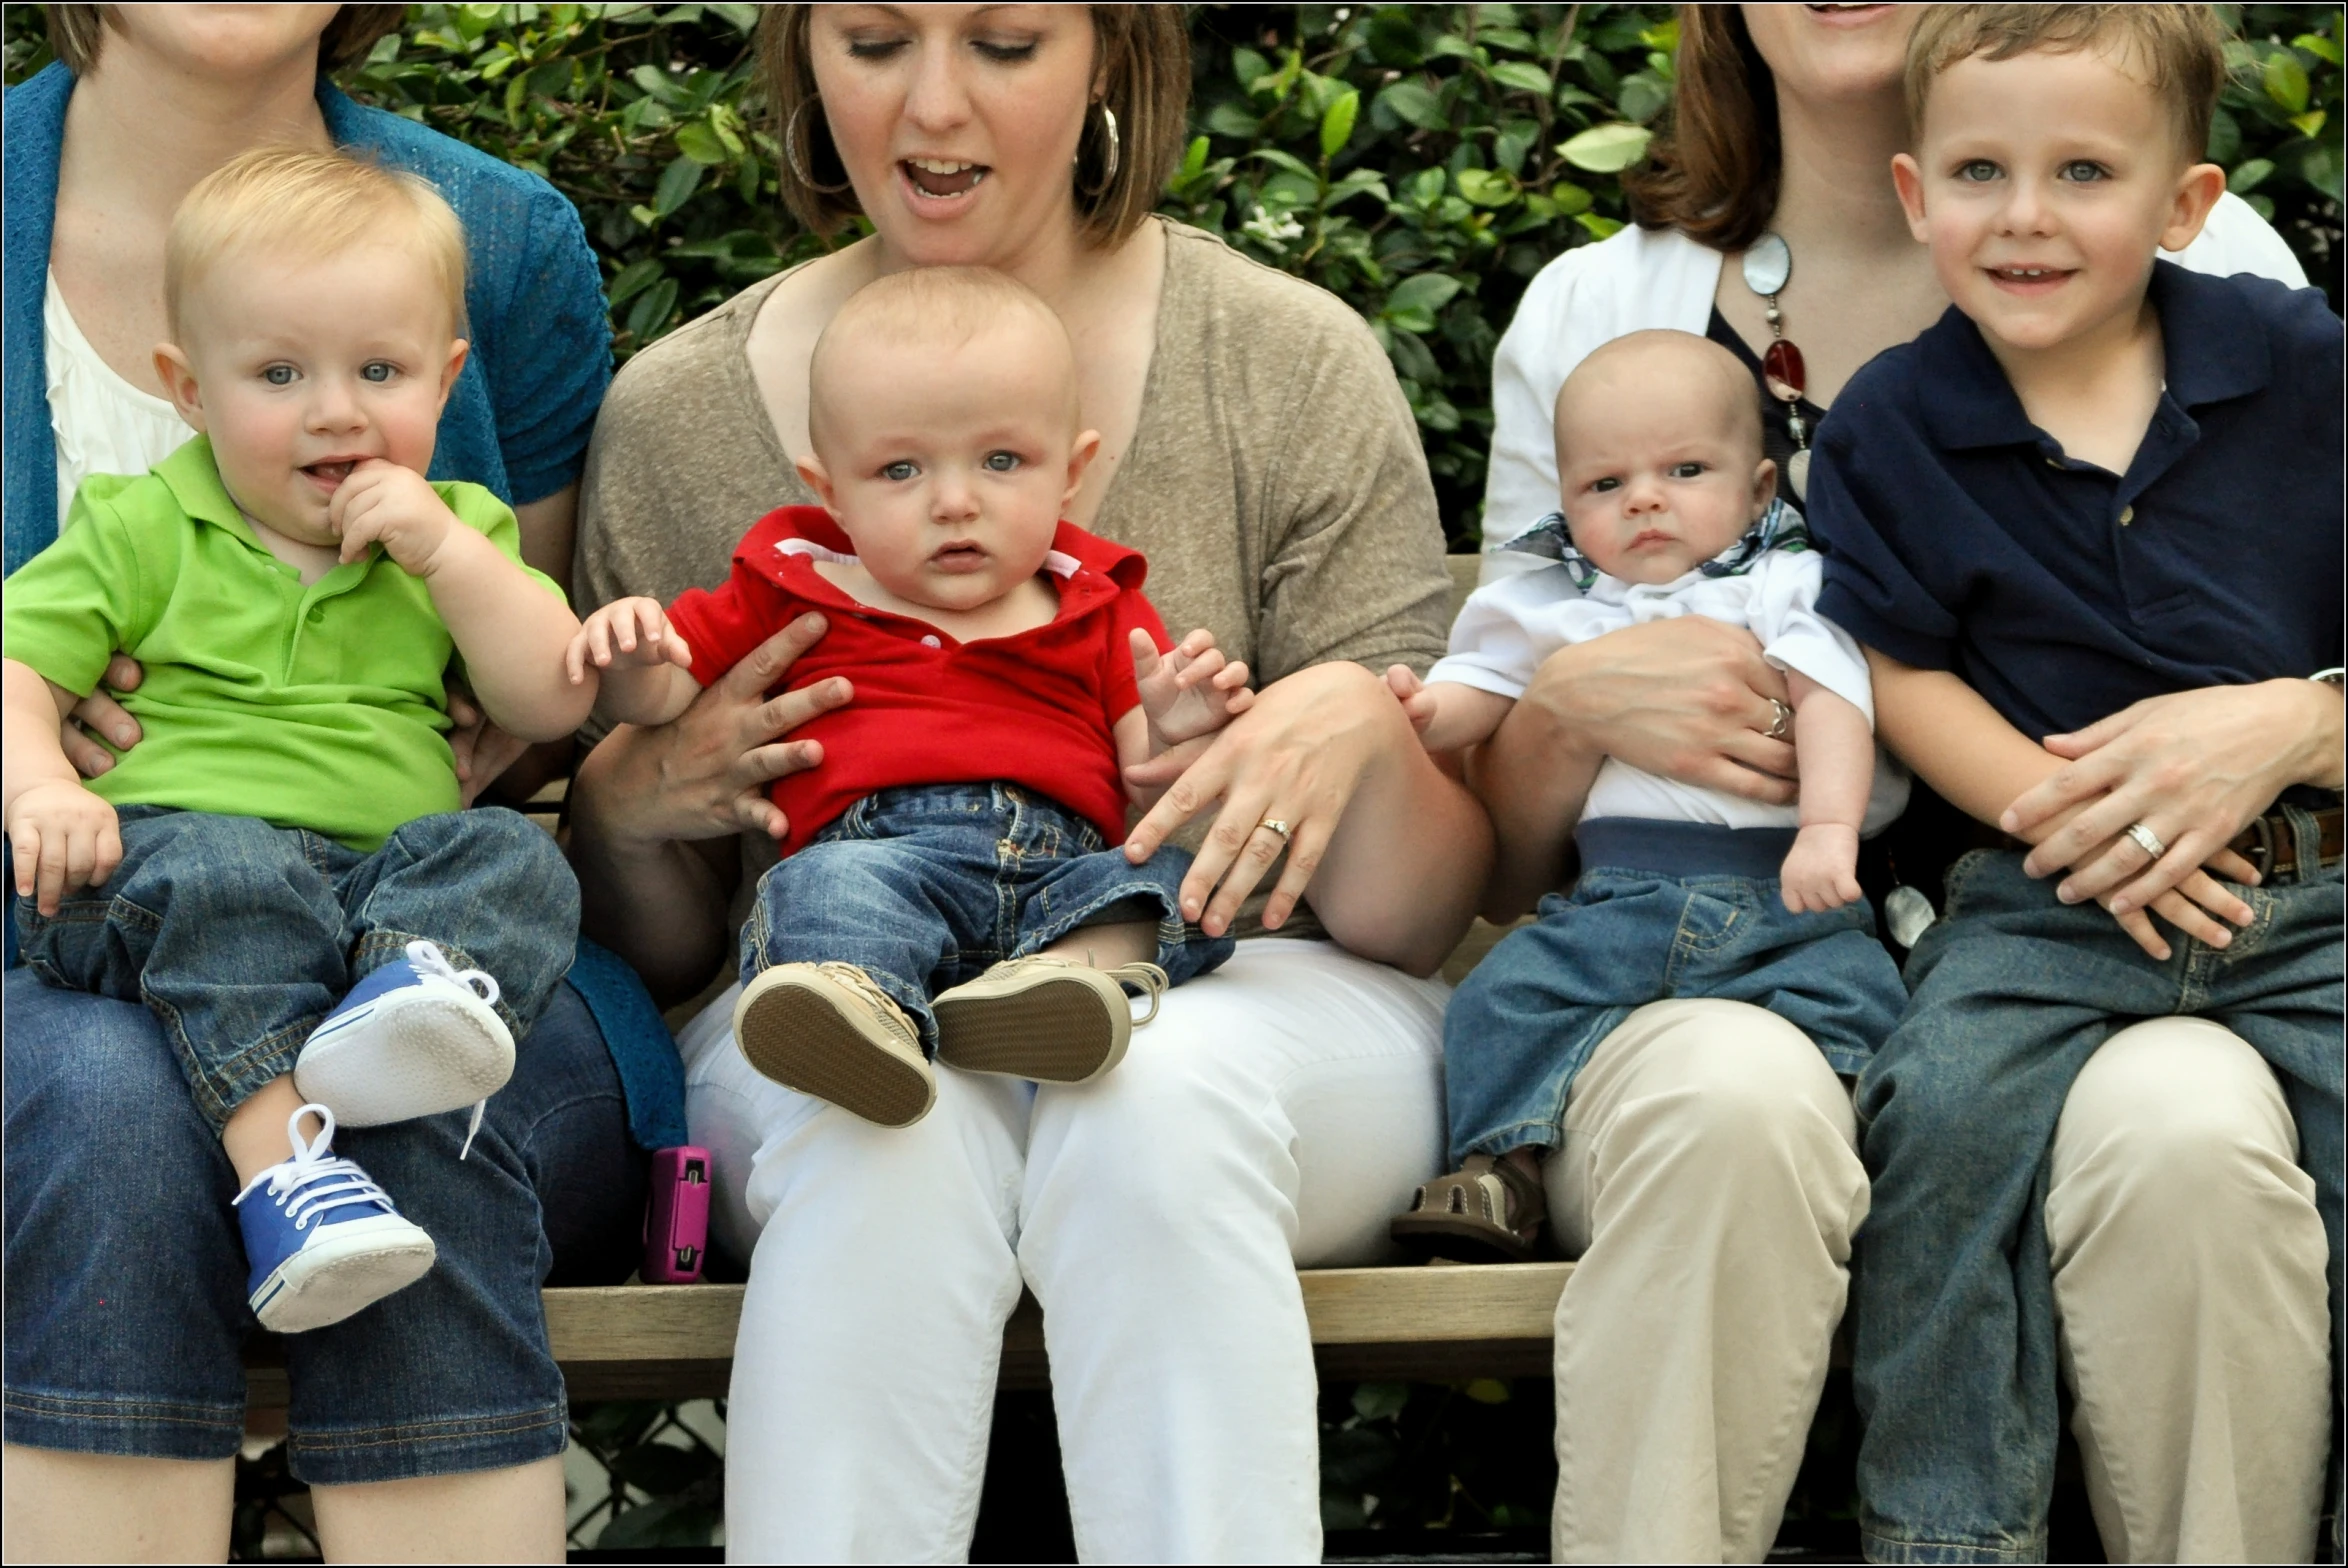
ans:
(1955, 1364)
(242, 937)
(1662, 910)
(125, 1275)
(926, 887)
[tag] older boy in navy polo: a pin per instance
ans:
(2099, 479)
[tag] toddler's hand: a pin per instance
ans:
(1821, 871)
(64, 839)
(1189, 692)
(626, 632)
(383, 503)
(1418, 703)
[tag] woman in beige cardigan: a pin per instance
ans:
(1257, 448)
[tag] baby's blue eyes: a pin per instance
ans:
(2082, 171)
(1977, 170)
(1001, 462)
(279, 375)
(378, 372)
(898, 471)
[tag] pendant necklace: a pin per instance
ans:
(1768, 266)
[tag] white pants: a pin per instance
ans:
(1276, 1114)
(1709, 1184)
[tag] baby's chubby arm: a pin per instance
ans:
(1449, 715)
(1187, 695)
(1837, 749)
(511, 632)
(645, 665)
(63, 837)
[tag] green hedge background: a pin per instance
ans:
(1420, 161)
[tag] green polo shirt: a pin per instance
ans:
(319, 707)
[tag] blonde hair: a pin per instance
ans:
(290, 200)
(2178, 51)
(934, 308)
(1141, 56)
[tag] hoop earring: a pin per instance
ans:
(799, 167)
(1109, 174)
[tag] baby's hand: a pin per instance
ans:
(1418, 703)
(626, 632)
(1191, 691)
(1821, 871)
(383, 503)
(64, 839)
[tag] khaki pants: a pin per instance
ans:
(1709, 1183)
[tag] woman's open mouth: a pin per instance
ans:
(942, 179)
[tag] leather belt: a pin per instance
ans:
(2268, 843)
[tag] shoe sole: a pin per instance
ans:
(793, 1033)
(1455, 1238)
(419, 1058)
(339, 1277)
(1059, 1029)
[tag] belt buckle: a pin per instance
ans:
(2262, 855)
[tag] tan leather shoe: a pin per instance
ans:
(1048, 1019)
(829, 1031)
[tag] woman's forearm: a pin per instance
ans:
(1408, 861)
(1533, 776)
(658, 904)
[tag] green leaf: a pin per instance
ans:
(1378, 1401)
(1233, 120)
(1194, 157)
(698, 142)
(1288, 161)
(1642, 98)
(652, 310)
(2318, 45)
(632, 280)
(1485, 187)
(1570, 198)
(2249, 176)
(677, 183)
(2320, 167)
(2286, 81)
(1247, 65)
(1337, 124)
(1524, 76)
(1606, 149)
(1421, 294)
(1414, 104)
(2225, 138)
(2309, 123)
(1600, 226)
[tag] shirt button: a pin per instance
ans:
(317, 614)
(931, 642)
(2127, 515)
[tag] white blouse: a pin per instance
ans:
(104, 425)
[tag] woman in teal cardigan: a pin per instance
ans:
(433, 1428)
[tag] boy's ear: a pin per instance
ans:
(1907, 178)
(819, 480)
(178, 376)
(1764, 486)
(455, 367)
(1080, 456)
(2198, 190)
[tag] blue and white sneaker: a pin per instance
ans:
(322, 1238)
(415, 1038)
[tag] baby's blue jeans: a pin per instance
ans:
(241, 937)
(1955, 1365)
(928, 886)
(1662, 910)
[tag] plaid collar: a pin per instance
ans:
(1779, 528)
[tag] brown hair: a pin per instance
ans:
(2177, 51)
(292, 201)
(78, 32)
(1713, 172)
(1142, 58)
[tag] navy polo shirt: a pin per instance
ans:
(1959, 537)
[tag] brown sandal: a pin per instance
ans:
(1487, 1211)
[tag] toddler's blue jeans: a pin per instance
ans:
(241, 937)
(928, 886)
(1662, 910)
(1956, 1364)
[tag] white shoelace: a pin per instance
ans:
(314, 1181)
(430, 960)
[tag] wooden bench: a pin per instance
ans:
(1438, 1322)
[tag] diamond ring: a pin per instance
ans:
(1276, 826)
(2147, 840)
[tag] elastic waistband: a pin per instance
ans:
(1683, 849)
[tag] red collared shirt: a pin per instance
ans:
(1035, 709)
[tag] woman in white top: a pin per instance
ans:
(1709, 1180)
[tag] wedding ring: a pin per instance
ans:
(2146, 840)
(1781, 719)
(1276, 826)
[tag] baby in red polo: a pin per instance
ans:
(951, 884)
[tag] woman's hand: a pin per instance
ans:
(483, 751)
(1297, 756)
(704, 775)
(2195, 768)
(1690, 699)
(101, 715)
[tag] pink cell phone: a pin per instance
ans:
(676, 1217)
